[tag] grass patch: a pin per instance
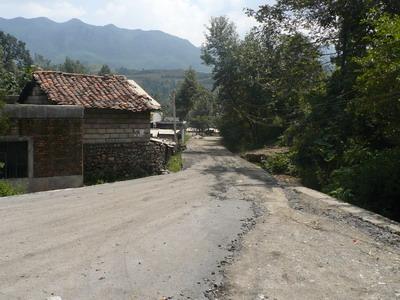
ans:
(7, 189)
(175, 163)
(187, 138)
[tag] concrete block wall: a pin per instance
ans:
(106, 126)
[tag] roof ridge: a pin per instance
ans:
(80, 74)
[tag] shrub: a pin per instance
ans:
(175, 163)
(372, 183)
(281, 163)
(7, 189)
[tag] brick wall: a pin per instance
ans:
(57, 146)
(105, 126)
(55, 149)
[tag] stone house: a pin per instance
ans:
(99, 127)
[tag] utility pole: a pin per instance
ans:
(173, 96)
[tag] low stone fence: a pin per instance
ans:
(110, 162)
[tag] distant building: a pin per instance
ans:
(165, 129)
(71, 127)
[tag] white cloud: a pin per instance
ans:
(184, 18)
(56, 10)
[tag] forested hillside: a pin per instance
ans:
(160, 83)
(117, 47)
(341, 123)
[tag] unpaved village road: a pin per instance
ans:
(171, 236)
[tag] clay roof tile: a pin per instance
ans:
(92, 91)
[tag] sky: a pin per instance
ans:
(183, 18)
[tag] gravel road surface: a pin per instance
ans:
(220, 229)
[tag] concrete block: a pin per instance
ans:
(26, 111)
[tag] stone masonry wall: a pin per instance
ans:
(115, 161)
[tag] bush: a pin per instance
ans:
(281, 163)
(175, 163)
(7, 189)
(372, 183)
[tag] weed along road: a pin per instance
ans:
(220, 229)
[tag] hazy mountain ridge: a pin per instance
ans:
(136, 49)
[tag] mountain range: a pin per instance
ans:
(117, 47)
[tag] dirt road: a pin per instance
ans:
(220, 229)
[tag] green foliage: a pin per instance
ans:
(73, 66)
(188, 137)
(262, 81)
(7, 189)
(373, 182)
(15, 65)
(15, 70)
(281, 163)
(175, 163)
(4, 124)
(203, 113)
(343, 125)
(378, 82)
(186, 93)
(105, 70)
(42, 62)
(14, 54)
(161, 83)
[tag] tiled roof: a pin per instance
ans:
(92, 91)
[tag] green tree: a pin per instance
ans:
(16, 63)
(378, 103)
(105, 70)
(15, 55)
(4, 89)
(203, 113)
(261, 81)
(186, 93)
(42, 62)
(72, 66)
(349, 129)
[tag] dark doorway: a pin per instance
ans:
(13, 160)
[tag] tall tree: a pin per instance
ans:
(204, 110)
(105, 70)
(4, 89)
(260, 80)
(16, 63)
(186, 93)
(73, 66)
(378, 105)
(15, 55)
(42, 62)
